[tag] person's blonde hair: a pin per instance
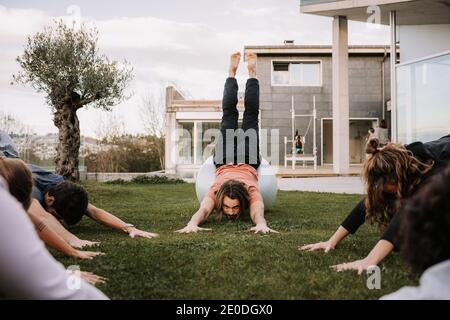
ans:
(19, 179)
(390, 164)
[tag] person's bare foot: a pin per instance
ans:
(250, 57)
(234, 63)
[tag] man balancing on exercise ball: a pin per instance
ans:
(236, 157)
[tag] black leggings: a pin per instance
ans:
(239, 145)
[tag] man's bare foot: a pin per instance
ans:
(250, 57)
(234, 63)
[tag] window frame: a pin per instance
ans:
(296, 84)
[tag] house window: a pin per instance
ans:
(280, 73)
(197, 140)
(207, 135)
(185, 145)
(297, 73)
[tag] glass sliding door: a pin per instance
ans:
(423, 105)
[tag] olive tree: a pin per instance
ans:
(65, 64)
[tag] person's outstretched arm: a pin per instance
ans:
(52, 239)
(378, 253)
(328, 245)
(206, 207)
(388, 242)
(257, 216)
(351, 224)
(39, 213)
(114, 222)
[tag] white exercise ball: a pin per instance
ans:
(267, 181)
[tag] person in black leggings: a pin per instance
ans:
(393, 174)
(239, 145)
(236, 157)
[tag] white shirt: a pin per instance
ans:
(434, 285)
(27, 270)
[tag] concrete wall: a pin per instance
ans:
(423, 40)
(365, 95)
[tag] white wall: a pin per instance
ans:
(423, 40)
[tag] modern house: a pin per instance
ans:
(300, 78)
(291, 78)
(420, 76)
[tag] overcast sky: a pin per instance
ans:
(171, 41)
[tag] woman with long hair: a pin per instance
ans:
(392, 174)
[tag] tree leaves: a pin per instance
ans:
(65, 63)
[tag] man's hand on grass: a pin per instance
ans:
(263, 228)
(326, 246)
(87, 255)
(92, 278)
(192, 228)
(358, 265)
(378, 253)
(78, 243)
(134, 232)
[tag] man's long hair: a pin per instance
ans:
(235, 190)
(391, 164)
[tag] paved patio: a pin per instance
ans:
(308, 171)
(352, 185)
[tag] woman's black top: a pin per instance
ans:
(439, 152)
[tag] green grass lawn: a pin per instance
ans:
(229, 262)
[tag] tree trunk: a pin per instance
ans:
(66, 120)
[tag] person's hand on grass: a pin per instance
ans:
(134, 232)
(192, 228)
(92, 278)
(326, 246)
(87, 255)
(358, 265)
(78, 243)
(263, 228)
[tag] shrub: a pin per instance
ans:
(147, 180)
